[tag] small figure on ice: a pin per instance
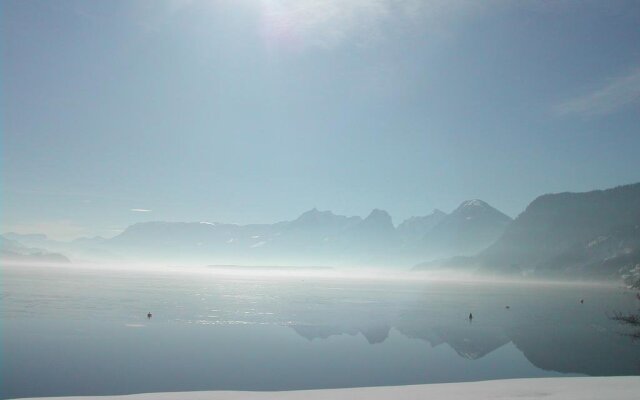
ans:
(149, 315)
(470, 317)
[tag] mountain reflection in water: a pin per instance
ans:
(547, 324)
(583, 349)
(80, 332)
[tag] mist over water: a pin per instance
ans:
(80, 331)
(305, 194)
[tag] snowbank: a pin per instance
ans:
(608, 388)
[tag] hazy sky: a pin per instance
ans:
(115, 112)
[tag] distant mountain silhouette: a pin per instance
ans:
(470, 228)
(322, 221)
(13, 251)
(593, 235)
(29, 240)
(316, 238)
(81, 249)
(416, 228)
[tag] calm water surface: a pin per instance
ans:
(68, 331)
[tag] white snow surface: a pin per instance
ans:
(473, 203)
(588, 388)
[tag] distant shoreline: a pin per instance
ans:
(270, 267)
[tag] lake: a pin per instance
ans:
(73, 331)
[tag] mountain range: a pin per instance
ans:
(591, 235)
(314, 238)
(11, 250)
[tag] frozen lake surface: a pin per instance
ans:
(69, 331)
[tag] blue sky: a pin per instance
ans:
(255, 111)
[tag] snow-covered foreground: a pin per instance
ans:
(607, 388)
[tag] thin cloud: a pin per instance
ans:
(329, 23)
(140, 210)
(616, 94)
(320, 23)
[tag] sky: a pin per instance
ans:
(240, 111)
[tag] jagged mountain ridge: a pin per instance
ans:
(318, 238)
(418, 227)
(13, 251)
(591, 235)
(470, 228)
(314, 238)
(594, 234)
(566, 233)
